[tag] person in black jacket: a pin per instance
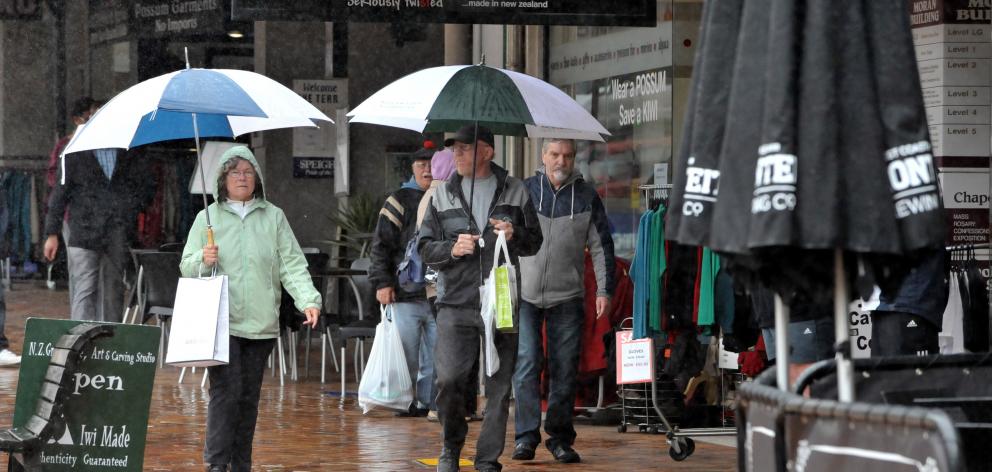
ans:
(450, 241)
(104, 190)
(411, 313)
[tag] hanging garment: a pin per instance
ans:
(976, 311)
(639, 272)
(952, 328)
(593, 357)
(679, 289)
(709, 269)
(656, 269)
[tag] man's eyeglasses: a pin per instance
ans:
(238, 174)
(461, 148)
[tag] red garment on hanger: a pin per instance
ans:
(150, 220)
(593, 357)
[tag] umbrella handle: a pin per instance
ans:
(210, 236)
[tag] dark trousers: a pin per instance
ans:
(896, 333)
(459, 332)
(564, 328)
(233, 408)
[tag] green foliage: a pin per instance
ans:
(356, 222)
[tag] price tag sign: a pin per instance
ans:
(635, 359)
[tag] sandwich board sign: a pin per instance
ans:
(106, 414)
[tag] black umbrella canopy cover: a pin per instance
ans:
(706, 111)
(823, 144)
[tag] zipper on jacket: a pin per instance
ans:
(550, 237)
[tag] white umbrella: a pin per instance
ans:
(191, 103)
(507, 102)
(228, 103)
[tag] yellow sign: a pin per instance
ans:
(433, 462)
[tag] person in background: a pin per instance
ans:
(80, 113)
(908, 322)
(103, 191)
(8, 358)
(258, 252)
(411, 312)
(449, 238)
(442, 169)
(573, 219)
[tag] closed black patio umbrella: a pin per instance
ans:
(825, 160)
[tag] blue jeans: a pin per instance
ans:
(564, 330)
(418, 332)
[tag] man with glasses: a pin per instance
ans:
(411, 313)
(459, 243)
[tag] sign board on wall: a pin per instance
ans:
(537, 12)
(327, 96)
(108, 21)
(107, 415)
(966, 202)
(159, 18)
(599, 53)
(313, 167)
(954, 56)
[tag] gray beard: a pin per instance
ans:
(560, 176)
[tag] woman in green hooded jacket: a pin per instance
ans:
(256, 249)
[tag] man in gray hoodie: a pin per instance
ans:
(572, 218)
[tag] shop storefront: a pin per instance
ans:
(634, 80)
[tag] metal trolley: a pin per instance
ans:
(648, 413)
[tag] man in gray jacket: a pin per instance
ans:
(572, 219)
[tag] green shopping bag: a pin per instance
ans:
(504, 283)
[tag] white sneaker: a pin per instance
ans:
(8, 358)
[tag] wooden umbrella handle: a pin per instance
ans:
(210, 236)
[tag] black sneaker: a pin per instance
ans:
(216, 468)
(413, 412)
(563, 453)
(448, 460)
(523, 452)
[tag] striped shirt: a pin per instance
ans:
(107, 159)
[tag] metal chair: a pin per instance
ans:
(158, 276)
(361, 329)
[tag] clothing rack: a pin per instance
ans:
(661, 192)
(966, 247)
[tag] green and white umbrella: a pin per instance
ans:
(508, 103)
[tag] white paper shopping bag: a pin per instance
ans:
(198, 336)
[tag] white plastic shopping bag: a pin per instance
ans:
(488, 303)
(198, 336)
(386, 381)
(498, 300)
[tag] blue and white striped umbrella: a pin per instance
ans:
(225, 103)
(194, 103)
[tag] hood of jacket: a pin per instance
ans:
(246, 154)
(573, 180)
